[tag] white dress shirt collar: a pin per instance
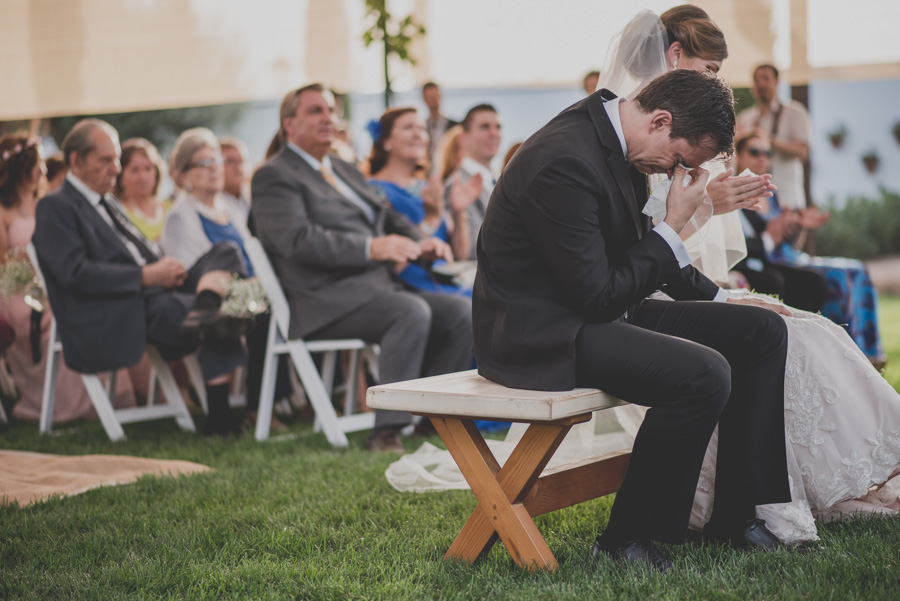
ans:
(92, 196)
(313, 161)
(612, 110)
(488, 179)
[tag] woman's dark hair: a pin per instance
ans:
(139, 146)
(701, 105)
(379, 156)
(698, 35)
(744, 140)
(19, 155)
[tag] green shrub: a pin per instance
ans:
(863, 228)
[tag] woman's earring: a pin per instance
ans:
(676, 63)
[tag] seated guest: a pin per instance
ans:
(21, 172)
(589, 83)
(138, 185)
(335, 247)
(850, 298)
(113, 292)
(397, 165)
(236, 159)
(480, 142)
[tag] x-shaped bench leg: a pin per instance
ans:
(501, 492)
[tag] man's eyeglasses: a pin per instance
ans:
(758, 152)
(206, 163)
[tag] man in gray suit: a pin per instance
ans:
(479, 141)
(336, 246)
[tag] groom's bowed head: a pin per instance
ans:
(682, 118)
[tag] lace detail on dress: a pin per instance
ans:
(806, 398)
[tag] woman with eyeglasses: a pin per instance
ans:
(200, 222)
(850, 298)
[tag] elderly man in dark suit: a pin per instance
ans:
(112, 291)
(566, 261)
(336, 247)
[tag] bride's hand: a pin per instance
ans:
(758, 302)
(732, 193)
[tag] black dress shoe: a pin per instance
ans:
(386, 440)
(752, 535)
(211, 324)
(641, 552)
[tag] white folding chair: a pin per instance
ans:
(111, 418)
(317, 385)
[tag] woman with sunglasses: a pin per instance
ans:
(850, 298)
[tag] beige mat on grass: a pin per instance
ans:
(31, 477)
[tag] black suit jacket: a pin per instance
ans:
(563, 244)
(755, 247)
(316, 238)
(93, 284)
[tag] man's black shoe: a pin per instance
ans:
(211, 324)
(641, 552)
(753, 535)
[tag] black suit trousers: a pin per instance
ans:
(695, 364)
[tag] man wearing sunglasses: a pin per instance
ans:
(798, 287)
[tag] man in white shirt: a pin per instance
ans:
(786, 124)
(436, 124)
(480, 142)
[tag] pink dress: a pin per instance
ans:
(72, 401)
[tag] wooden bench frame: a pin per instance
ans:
(511, 496)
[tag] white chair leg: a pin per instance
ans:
(329, 361)
(352, 375)
(197, 381)
(170, 389)
(267, 386)
(48, 397)
(153, 388)
(317, 395)
(103, 407)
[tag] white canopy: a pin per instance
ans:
(65, 57)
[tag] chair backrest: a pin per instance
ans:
(262, 269)
(32, 256)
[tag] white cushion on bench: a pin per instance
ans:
(466, 394)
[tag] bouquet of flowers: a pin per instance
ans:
(17, 275)
(244, 297)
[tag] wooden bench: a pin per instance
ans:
(509, 497)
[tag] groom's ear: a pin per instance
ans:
(660, 119)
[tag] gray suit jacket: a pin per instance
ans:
(475, 211)
(316, 238)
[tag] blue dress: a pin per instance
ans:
(850, 297)
(217, 232)
(409, 202)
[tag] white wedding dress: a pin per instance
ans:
(842, 418)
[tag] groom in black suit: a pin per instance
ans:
(566, 262)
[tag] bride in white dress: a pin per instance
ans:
(842, 419)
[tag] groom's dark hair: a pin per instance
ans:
(701, 104)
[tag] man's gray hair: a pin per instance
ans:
(81, 141)
(187, 145)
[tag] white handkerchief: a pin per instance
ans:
(656, 204)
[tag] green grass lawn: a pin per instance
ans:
(298, 519)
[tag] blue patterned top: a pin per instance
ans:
(409, 202)
(218, 232)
